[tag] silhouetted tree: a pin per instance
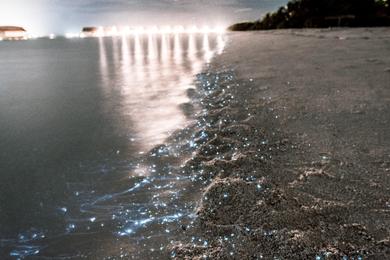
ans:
(324, 13)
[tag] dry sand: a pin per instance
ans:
(297, 147)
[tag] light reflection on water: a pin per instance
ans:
(162, 71)
(131, 202)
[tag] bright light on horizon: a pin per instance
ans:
(113, 31)
(61, 17)
(40, 19)
(116, 31)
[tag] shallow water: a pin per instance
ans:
(79, 119)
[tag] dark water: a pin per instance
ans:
(78, 119)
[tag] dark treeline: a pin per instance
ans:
(323, 13)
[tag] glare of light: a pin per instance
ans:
(177, 49)
(220, 44)
(193, 29)
(206, 43)
(164, 47)
(100, 32)
(178, 29)
(72, 35)
(208, 54)
(103, 63)
(138, 51)
(114, 31)
(139, 30)
(125, 55)
(206, 29)
(191, 44)
(152, 47)
(166, 30)
(125, 30)
(52, 36)
(220, 29)
(115, 51)
(153, 30)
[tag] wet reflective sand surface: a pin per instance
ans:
(86, 169)
(298, 147)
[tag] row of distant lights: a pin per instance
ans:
(127, 30)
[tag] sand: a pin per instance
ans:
(296, 145)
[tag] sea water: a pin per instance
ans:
(84, 125)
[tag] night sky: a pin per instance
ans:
(64, 16)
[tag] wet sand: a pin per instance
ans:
(296, 147)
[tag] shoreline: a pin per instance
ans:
(297, 147)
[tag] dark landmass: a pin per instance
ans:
(11, 29)
(323, 14)
(89, 29)
(12, 33)
(296, 148)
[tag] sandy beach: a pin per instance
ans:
(297, 147)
